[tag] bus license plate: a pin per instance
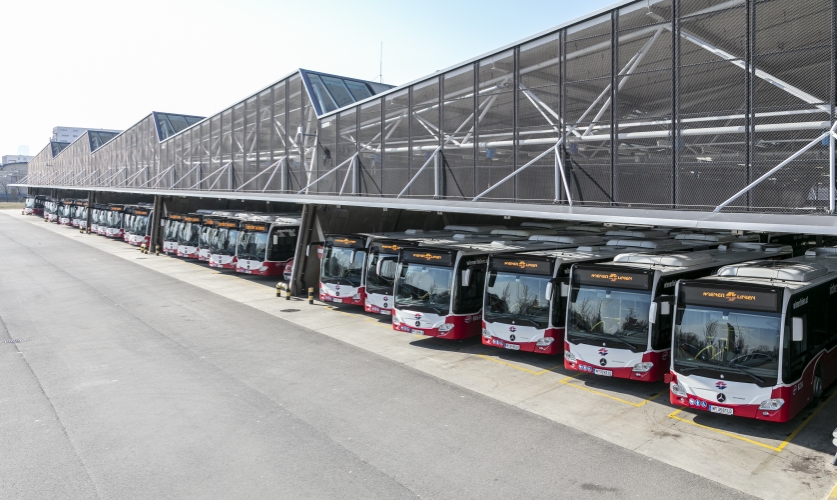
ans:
(720, 409)
(339, 301)
(513, 347)
(417, 332)
(604, 373)
(386, 312)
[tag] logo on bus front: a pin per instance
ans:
(729, 296)
(427, 256)
(721, 385)
(612, 277)
(602, 352)
(522, 264)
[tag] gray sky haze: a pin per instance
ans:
(106, 64)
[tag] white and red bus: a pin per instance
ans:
(759, 340)
(114, 218)
(34, 205)
(224, 243)
(51, 210)
(97, 218)
(171, 229)
(344, 264)
(266, 243)
(439, 288)
(208, 231)
(65, 212)
(525, 300)
(79, 217)
(140, 233)
(127, 222)
(619, 313)
(188, 236)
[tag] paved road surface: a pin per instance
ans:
(130, 384)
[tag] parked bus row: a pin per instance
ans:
(736, 326)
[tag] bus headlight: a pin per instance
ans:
(546, 341)
(486, 334)
(263, 268)
(772, 404)
(446, 327)
(643, 367)
(569, 356)
(677, 389)
(356, 296)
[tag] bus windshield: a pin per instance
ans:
(342, 265)
(207, 234)
(140, 225)
(381, 283)
(424, 288)
(172, 227)
(252, 246)
(517, 298)
(742, 345)
(599, 314)
(223, 241)
(114, 219)
(188, 234)
(30, 203)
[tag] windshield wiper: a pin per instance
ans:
(536, 324)
(748, 373)
(605, 338)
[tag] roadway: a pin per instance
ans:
(128, 382)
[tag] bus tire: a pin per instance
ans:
(817, 387)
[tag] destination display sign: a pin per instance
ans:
(387, 247)
(720, 295)
(208, 222)
(515, 265)
(192, 218)
(346, 241)
(175, 217)
(227, 224)
(249, 226)
(613, 277)
(116, 208)
(141, 211)
(421, 256)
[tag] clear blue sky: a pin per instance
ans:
(106, 64)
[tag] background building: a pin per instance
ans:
(69, 134)
(15, 159)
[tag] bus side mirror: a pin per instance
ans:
(549, 288)
(796, 327)
(665, 308)
(652, 313)
(379, 266)
(466, 277)
(565, 289)
(275, 239)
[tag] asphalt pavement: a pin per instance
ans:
(128, 383)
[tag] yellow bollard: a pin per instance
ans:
(311, 296)
(158, 250)
(279, 288)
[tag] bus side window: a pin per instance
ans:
(831, 317)
(817, 327)
(796, 355)
(468, 299)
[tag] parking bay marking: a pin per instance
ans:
(777, 449)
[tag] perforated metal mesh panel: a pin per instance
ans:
(669, 104)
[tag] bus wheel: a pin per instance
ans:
(817, 387)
